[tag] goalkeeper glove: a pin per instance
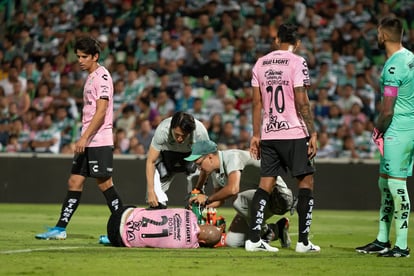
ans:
(378, 139)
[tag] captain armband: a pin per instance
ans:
(390, 91)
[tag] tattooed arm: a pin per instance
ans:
(304, 111)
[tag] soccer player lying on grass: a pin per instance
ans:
(160, 228)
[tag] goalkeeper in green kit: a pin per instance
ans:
(394, 136)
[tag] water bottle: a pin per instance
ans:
(196, 208)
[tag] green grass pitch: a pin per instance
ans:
(337, 232)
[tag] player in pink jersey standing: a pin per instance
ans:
(94, 149)
(284, 135)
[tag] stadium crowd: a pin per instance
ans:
(187, 55)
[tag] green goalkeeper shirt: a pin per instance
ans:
(398, 72)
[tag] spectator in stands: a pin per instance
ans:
(13, 144)
(127, 121)
(13, 76)
(194, 59)
(244, 100)
(30, 72)
(144, 134)
(65, 124)
(211, 42)
(42, 100)
(119, 98)
(46, 46)
(348, 149)
(251, 28)
(355, 113)
(226, 52)
(214, 71)
(199, 112)
(146, 112)
(172, 81)
(324, 80)
(228, 138)
(173, 52)
(147, 77)
(50, 76)
(325, 147)
(321, 106)
(249, 50)
(334, 119)
(20, 97)
(66, 100)
(186, 102)
(349, 77)
(133, 87)
(215, 103)
(47, 138)
(230, 113)
(361, 60)
(10, 51)
(165, 105)
(367, 94)
(239, 73)
(21, 131)
(147, 54)
(243, 122)
(121, 141)
(18, 62)
(121, 71)
(215, 127)
(153, 30)
(348, 27)
(362, 139)
(347, 99)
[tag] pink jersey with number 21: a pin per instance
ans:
(161, 228)
(277, 74)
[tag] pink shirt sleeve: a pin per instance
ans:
(98, 85)
(167, 228)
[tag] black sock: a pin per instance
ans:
(257, 208)
(69, 206)
(304, 209)
(112, 199)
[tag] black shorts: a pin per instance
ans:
(96, 162)
(277, 155)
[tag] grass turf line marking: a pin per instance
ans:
(17, 251)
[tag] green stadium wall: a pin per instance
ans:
(31, 178)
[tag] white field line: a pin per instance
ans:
(29, 250)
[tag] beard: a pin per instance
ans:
(381, 45)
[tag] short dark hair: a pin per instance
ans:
(394, 27)
(184, 121)
(88, 45)
(288, 33)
